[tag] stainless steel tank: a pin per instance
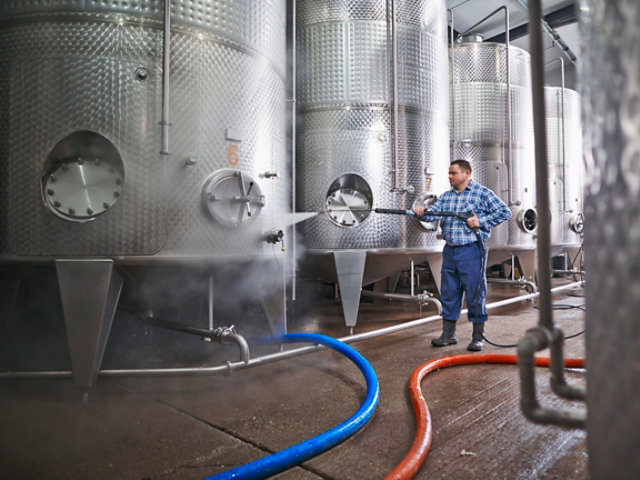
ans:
(566, 166)
(492, 127)
(82, 100)
(141, 133)
(611, 120)
(347, 142)
(372, 132)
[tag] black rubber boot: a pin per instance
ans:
(448, 336)
(476, 337)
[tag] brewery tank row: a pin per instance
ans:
(156, 133)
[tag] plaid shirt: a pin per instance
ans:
(489, 209)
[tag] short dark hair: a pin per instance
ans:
(463, 164)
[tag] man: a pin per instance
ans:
(463, 257)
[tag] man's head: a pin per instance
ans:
(459, 174)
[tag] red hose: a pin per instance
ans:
(417, 454)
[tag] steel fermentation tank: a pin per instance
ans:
(373, 132)
(566, 167)
(611, 122)
(139, 135)
(497, 140)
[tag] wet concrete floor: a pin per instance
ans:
(190, 427)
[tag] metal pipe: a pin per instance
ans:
(229, 367)
(562, 129)
(545, 334)
(210, 302)
(558, 382)
(166, 66)
(391, 23)
(521, 282)
(223, 335)
(451, 81)
(509, 121)
(294, 86)
(535, 340)
(421, 299)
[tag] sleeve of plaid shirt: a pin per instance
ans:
(491, 211)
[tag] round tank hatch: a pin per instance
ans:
(576, 223)
(426, 200)
(232, 197)
(349, 200)
(83, 177)
(528, 219)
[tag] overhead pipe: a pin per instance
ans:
(546, 334)
(296, 454)
(166, 69)
(419, 450)
(230, 367)
(509, 162)
(451, 82)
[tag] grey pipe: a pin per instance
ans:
(535, 340)
(229, 367)
(509, 121)
(558, 383)
(545, 335)
(451, 82)
(562, 129)
(294, 97)
(166, 66)
(402, 297)
(391, 22)
(530, 286)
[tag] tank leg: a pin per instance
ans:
(527, 262)
(435, 264)
(350, 270)
(89, 290)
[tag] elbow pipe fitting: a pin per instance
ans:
(558, 382)
(228, 335)
(538, 339)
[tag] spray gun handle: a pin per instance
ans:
(395, 211)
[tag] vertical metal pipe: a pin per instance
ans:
(451, 81)
(542, 185)
(562, 128)
(412, 283)
(391, 22)
(166, 68)
(293, 145)
(210, 302)
(509, 120)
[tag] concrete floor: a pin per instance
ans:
(193, 427)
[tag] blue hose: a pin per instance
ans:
(296, 454)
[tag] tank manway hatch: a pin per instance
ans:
(232, 197)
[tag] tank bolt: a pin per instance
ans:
(89, 211)
(56, 204)
(105, 205)
(191, 160)
(80, 161)
(52, 178)
(72, 211)
(50, 191)
(118, 181)
(142, 74)
(116, 194)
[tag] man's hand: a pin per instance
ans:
(419, 210)
(473, 222)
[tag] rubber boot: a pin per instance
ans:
(476, 337)
(448, 336)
